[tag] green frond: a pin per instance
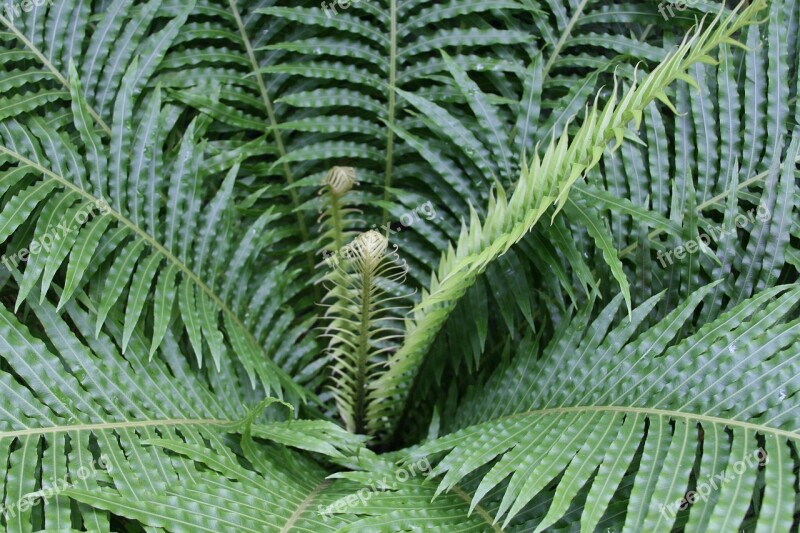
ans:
(545, 182)
(86, 206)
(695, 417)
(114, 417)
(205, 323)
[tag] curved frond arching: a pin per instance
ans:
(586, 433)
(100, 205)
(557, 293)
(113, 417)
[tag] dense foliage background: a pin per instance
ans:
(578, 309)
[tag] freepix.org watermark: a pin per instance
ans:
(401, 475)
(670, 7)
(327, 7)
(54, 234)
(703, 489)
(54, 487)
(762, 213)
(13, 10)
(427, 210)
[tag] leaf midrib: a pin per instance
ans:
(305, 504)
(52, 68)
(387, 178)
(564, 36)
(267, 101)
(115, 425)
(652, 411)
(478, 509)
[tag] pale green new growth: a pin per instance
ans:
(364, 325)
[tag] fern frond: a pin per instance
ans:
(544, 183)
(335, 217)
(719, 158)
(623, 391)
(159, 170)
(102, 211)
(375, 50)
(46, 56)
(363, 326)
(96, 432)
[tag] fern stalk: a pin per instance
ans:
(336, 221)
(49, 65)
(362, 355)
(387, 180)
(337, 183)
(564, 36)
(273, 121)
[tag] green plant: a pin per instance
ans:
(196, 336)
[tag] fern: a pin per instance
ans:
(593, 326)
(338, 183)
(694, 420)
(154, 233)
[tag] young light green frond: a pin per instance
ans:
(336, 219)
(363, 325)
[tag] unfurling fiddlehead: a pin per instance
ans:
(363, 326)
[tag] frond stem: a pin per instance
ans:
(664, 412)
(305, 504)
(387, 178)
(287, 171)
(700, 207)
(46, 62)
(564, 36)
(114, 425)
(478, 509)
(362, 355)
(336, 219)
